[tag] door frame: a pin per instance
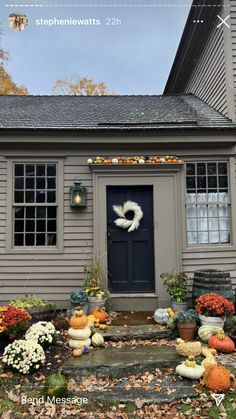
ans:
(115, 175)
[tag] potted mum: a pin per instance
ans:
(12, 322)
(213, 309)
(186, 322)
(93, 285)
(176, 286)
(39, 309)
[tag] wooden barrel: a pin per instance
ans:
(212, 280)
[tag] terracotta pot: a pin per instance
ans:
(187, 330)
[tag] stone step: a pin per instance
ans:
(169, 392)
(146, 331)
(121, 362)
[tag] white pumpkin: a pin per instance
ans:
(161, 316)
(190, 369)
(79, 334)
(205, 332)
(97, 339)
(77, 344)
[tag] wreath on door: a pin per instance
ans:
(123, 222)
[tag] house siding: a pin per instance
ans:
(208, 78)
(233, 42)
(54, 275)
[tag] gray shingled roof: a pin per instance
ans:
(107, 112)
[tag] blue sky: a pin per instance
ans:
(133, 57)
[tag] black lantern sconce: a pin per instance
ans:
(78, 195)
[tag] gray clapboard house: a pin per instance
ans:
(189, 209)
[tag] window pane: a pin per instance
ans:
(29, 196)
(212, 181)
(30, 225)
(190, 169)
(40, 170)
(211, 168)
(51, 239)
(29, 240)
(192, 224)
(51, 183)
(51, 170)
(222, 168)
(213, 224)
(30, 212)
(19, 240)
(19, 183)
(40, 239)
(51, 196)
(191, 182)
(40, 183)
(41, 212)
(41, 226)
(40, 196)
(201, 168)
(214, 237)
(201, 182)
(19, 212)
(223, 181)
(19, 170)
(30, 183)
(19, 196)
(51, 226)
(52, 212)
(29, 170)
(202, 237)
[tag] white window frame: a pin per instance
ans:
(202, 247)
(10, 248)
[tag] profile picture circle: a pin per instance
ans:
(17, 23)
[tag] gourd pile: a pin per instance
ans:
(215, 377)
(163, 315)
(79, 333)
(82, 331)
(135, 160)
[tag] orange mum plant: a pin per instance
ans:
(214, 305)
(217, 378)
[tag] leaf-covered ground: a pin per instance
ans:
(13, 387)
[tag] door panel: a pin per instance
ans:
(130, 255)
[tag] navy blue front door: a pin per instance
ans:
(130, 255)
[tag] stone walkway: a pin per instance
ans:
(150, 331)
(121, 362)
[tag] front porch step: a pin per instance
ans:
(121, 362)
(170, 392)
(143, 332)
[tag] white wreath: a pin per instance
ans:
(121, 211)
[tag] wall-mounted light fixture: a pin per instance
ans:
(78, 195)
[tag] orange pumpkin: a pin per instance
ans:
(77, 352)
(100, 314)
(78, 320)
(217, 378)
(221, 343)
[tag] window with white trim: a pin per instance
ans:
(35, 205)
(207, 203)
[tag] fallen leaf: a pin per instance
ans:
(57, 356)
(139, 403)
(128, 387)
(6, 375)
(13, 397)
(6, 415)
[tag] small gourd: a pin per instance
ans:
(56, 385)
(171, 323)
(102, 326)
(78, 320)
(205, 332)
(188, 348)
(100, 314)
(209, 354)
(79, 334)
(170, 312)
(77, 352)
(161, 316)
(217, 378)
(190, 369)
(97, 339)
(77, 344)
(91, 320)
(221, 343)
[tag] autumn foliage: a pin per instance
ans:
(80, 87)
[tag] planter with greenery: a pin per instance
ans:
(186, 322)
(79, 300)
(176, 286)
(94, 285)
(39, 309)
